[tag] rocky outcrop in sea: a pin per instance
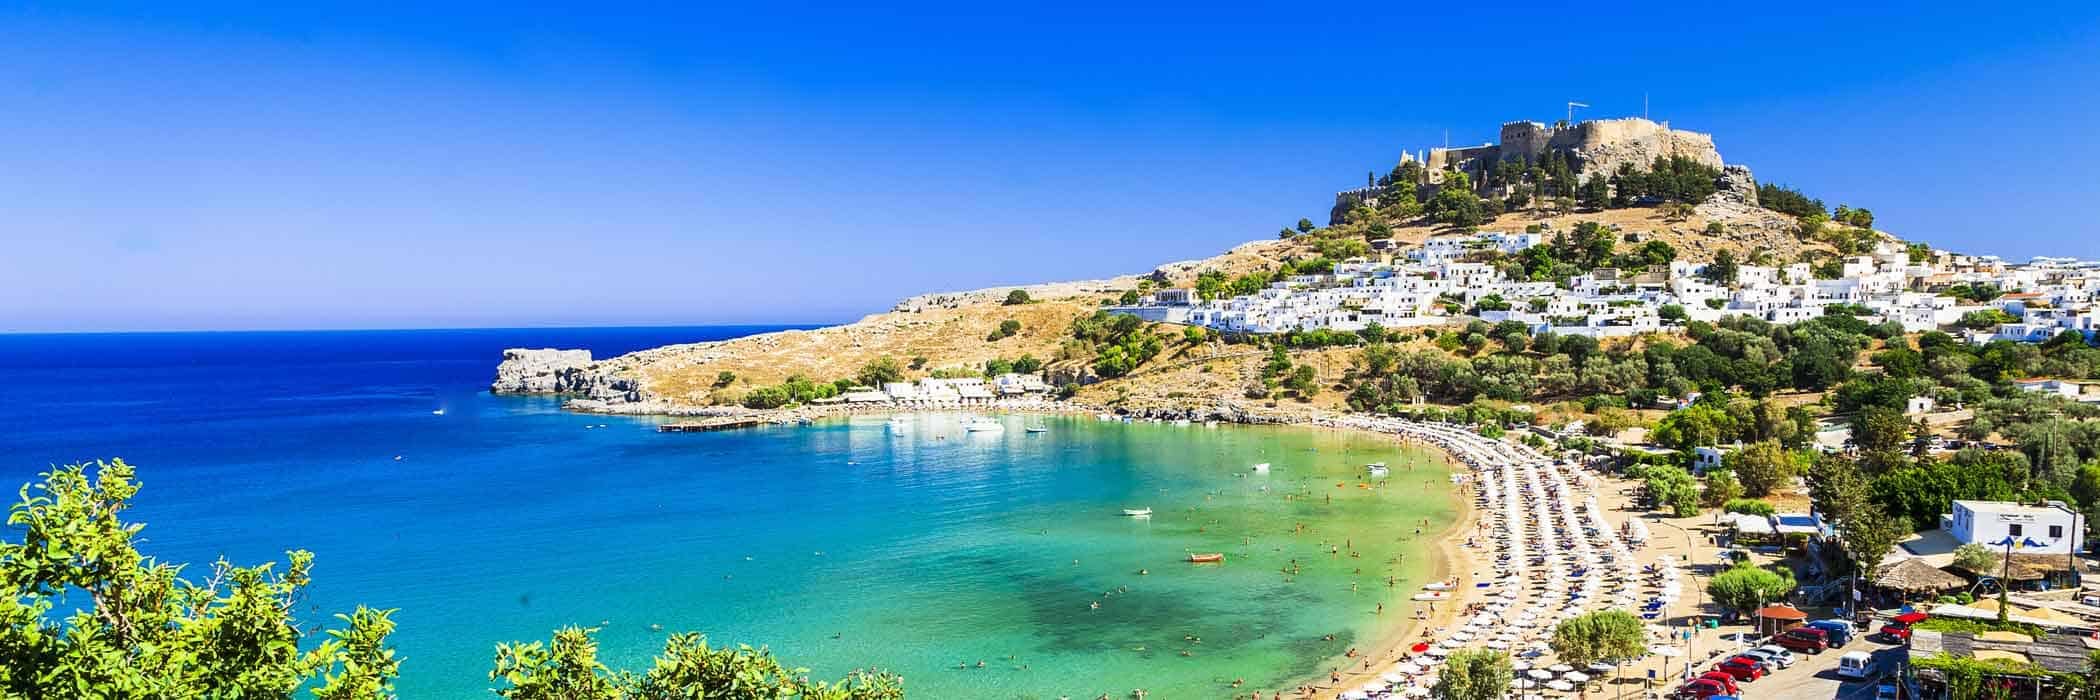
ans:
(568, 372)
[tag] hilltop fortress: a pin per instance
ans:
(1594, 146)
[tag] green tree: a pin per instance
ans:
(1867, 536)
(724, 378)
(134, 628)
(1305, 225)
(1129, 297)
(1723, 269)
(1474, 674)
(1603, 635)
(1017, 297)
(1027, 364)
(688, 669)
(1975, 557)
(1304, 381)
(1721, 486)
(1746, 587)
(879, 371)
(1761, 467)
(1195, 335)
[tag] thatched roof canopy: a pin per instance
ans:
(1915, 576)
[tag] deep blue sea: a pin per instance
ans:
(915, 547)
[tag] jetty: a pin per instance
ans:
(711, 424)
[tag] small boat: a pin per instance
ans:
(1377, 468)
(1263, 467)
(983, 425)
(1037, 429)
(1432, 595)
(1206, 558)
(1138, 512)
(438, 412)
(1438, 586)
(1104, 416)
(1182, 423)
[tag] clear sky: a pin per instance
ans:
(220, 165)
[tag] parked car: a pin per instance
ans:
(1858, 664)
(1700, 688)
(1898, 629)
(1727, 681)
(1840, 632)
(1773, 655)
(1743, 668)
(1887, 691)
(1806, 639)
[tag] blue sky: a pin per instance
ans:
(330, 165)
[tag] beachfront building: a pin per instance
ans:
(2048, 528)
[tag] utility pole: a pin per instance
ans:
(1644, 105)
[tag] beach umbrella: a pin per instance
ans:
(1497, 644)
(1392, 677)
(1520, 666)
(1408, 669)
(1666, 651)
(1355, 695)
(1526, 683)
(1562, 686)
(1560, 668)
(1419, 647)
(1539, 674)
(1577, 676)
(1420, 691)
(1438, 651)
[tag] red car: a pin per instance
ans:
(1742, 669)
(1727, 681)
(1898, 629)
(1808, 639)
(1701, 688)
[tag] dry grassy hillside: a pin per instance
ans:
(946, 337)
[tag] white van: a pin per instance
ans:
(1858, 664)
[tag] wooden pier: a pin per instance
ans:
(711, 424)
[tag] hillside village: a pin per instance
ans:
(1859, 422)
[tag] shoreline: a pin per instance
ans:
(1451, 561)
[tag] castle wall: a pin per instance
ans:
(1525, 140)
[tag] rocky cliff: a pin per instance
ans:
(571, 372)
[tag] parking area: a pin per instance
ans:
(1815, 676)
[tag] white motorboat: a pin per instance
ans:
(984, 425)
(1104, 416)
(1377, 468)
(1263, 467)
(1138, 512)
(1037, 429)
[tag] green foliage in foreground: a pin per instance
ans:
(146, 632)
(688, 669)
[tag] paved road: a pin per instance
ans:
(1815, 676)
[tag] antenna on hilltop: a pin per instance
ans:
(1644, 105)
(1571, 111)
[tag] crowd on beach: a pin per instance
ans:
(1543, 552)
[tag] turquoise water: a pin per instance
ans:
(846, 544)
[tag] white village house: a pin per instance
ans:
(2054, 527)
